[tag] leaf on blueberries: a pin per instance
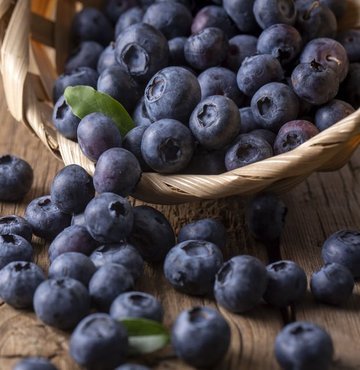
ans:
(84, 100)
(145, 336)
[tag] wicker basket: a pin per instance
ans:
(29, 65)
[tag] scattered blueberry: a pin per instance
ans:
(34, 363)
(14, 248)
(17, 225)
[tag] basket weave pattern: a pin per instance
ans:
(34, 44)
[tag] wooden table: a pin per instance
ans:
(320, 206)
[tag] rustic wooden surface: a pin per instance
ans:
(318, 207)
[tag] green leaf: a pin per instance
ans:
(145, 336)
(84, 100)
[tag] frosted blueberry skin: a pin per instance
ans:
(350, 88)
(95, 351)
(176, 50)
(140, 115)
(61, 303)
(241, 12)
(132, 143)
(240, 283)
(332, 284)
(332, 112)
(304, 346)
(207, 48)
(142, 50)
(106, 58)
(18, 282)
(131, 16)
(350, 40)
(267, 135)
(137, 305)
(16, 178)
(64, 120)
(247, 120)
(34, 363)
(17, 225)
(85, 55)
(171, 18)
(200, 337)
(14, 248)
(45, 218)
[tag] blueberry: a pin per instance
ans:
(350, 40)
(140, 115)
(314, 82)
(208, 229)
(64, 120)
(18, 282)
(99, 342)
(109, 218)
(73, 265)
(343, 247)
(200, 337)
(282, 41)
(79, 76)
(85, 55)
(17, 225)
(115, 8)
(91, 24)
(45, 218)
(247, 120)
(61, 303)
(34, 363)
(171, 18)
(213, 16)
(121, 253)
(207, 48)
(72, 189)
(117, 171)
(142, 50)
(107, 58)
(72, 239)
(176, 49)
(152, 234)
(258, 70)
(78, 219)
(205, 162)
(274, 104)
(286, 283)
(350, 88)
(332, 112)
(172, 93)
(96, 134)
(132, 367)
(332, 284)
(220, 81)
(293, 134)
(304, 346)
(107, 283)
(128, 18)
(136, 304)
(240, 47)
(16, 178)
(215, 122)
(267, 135)
(240, 283)
(117, 83)
(247, 149)
(338, 7)
(167, 146)
(327, 52)
(241, 12)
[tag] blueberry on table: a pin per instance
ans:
(201, 337)
(17, 225)
(343, 247)
(85, 55)
(14, 248)
(107, 58)
(109, 218)
(190, 266)
(207, 48)
(176, 50)
(99, 342)
(16, 178)
(240, 283)
(132, 143)
(131, 16)
(350, 88)
(75, 238)
(247, 120)
(350, 40)
(73, 265)
(332, 284)
(18, 282)
(138, 305)
(172, 93)
(34, 363)
(332, 112)
(258, 70)
(152, 234)
(61, 302)
(121, 253)
(241, 12)
(142, 50)
(304, 346)
(167, 146)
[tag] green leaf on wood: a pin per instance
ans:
(145, 336)
(84, 100)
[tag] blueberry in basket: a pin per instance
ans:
(34, 363)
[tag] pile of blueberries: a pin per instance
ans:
(210, 88)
